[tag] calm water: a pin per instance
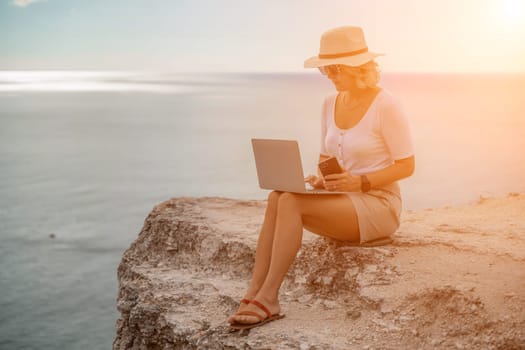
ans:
(86, 156)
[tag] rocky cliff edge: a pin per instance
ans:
(454, 278)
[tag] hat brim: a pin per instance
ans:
(353, 61)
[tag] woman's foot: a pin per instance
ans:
(245, 301)
(272, 308)
(242, 307)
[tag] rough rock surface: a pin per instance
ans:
(454, 278)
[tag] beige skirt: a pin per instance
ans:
(378, 211)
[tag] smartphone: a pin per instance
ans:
(330, 166)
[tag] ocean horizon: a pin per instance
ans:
(84, 157)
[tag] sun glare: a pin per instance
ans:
(513, 12)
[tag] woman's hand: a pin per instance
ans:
(343, 182)
(314, 181)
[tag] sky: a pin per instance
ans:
(257, 35)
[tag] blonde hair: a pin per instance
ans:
(367, 75)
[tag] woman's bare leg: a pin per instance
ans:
(332, 216)
(263, 252)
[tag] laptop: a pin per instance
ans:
(279, 167)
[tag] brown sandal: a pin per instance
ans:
(262, 320)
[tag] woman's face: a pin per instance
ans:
(343, 77)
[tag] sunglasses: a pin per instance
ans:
(335, 69)
(332, 69)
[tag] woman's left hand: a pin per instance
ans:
(343, 182)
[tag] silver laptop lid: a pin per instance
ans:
(278, 164)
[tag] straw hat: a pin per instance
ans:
(343, 45)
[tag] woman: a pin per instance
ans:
(363, 127)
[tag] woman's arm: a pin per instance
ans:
(402, 168)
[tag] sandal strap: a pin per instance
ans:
(245, 301)
(262, 307)
(250, 313)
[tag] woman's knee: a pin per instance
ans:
(273, 200)
(288, 201)
(273, 197)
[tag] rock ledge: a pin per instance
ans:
(454, 278)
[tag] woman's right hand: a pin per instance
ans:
(314, 181)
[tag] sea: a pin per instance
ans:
(85, 156)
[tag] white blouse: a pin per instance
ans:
(379, 138)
